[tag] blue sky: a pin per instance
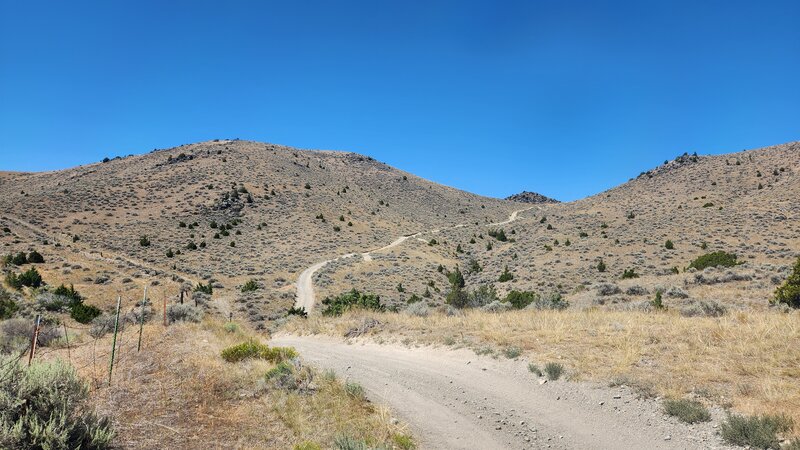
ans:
(565, 98)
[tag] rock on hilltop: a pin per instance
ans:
(531, 197)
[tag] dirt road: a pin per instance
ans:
(454, 399)
(305, 282)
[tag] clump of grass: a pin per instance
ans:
(344, 442)
(553, 370)
(255, 350)
(534, 369)
(403, 441)
(230, 327)
(307, 446)
(689, 411)
(512, 352)
(355, 390)
(755, 431)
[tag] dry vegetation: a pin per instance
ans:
(258, 214)
(748, 361)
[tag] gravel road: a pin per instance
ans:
(454, 399)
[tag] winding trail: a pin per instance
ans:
(305, 282)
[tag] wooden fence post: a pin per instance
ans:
(114, 340)
(141, 320)
(66, 336)
(34, 338)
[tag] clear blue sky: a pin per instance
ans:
(561, 97)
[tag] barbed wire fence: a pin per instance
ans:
(124, 345)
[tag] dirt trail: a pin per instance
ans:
(305, 282)
(454, 399)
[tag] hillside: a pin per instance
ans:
(227, 212)
(701, 204)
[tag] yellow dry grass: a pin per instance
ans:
(747, 360)
(179, 393)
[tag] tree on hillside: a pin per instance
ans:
(789, 292)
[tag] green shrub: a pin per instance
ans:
(45, 406)
(789, 292)
(144, 242)
(629, 273)
(521, 299)
(512, 352)
(500, 235)
(250, 286)
(403, 441)
(355, 390)
(669, 245)
(297, 312)
(204, 288)
(35, 257)
(335, 306)
(7, 305)
(553, 370)
(349, 443)
(456, 278)
(601, 266)
(689, 411)
(755, 431)
(505, 276)
(68, 292)
(715, 259)
(19, 259)
(658, 302)
(256, 350)
(534, 369)
(84, 313)
(30, 278)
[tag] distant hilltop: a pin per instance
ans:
(531, 197)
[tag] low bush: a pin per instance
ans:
(703, 308)
(628, 274)
(15, 336)
(335, 306)
(29, 278)
(521, 299)
(554, 301)
(512, 352)
(45, 406)
(184, 313)
(789, 292)
(755, 431)
(293, 311)
(255, 350)
(689, 411)
(355, 390)
(553, 370)
(715, 259)
(505, 276)
(250, 286)
(204, 288)
(7, 305)
(534, 369)
(84, 313)
(35, 257)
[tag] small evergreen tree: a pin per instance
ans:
(669, 245)
(35, 257)
(789, 292)
(601, 266)
(505, 276)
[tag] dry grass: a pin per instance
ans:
(179, 393)
(746, 360)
